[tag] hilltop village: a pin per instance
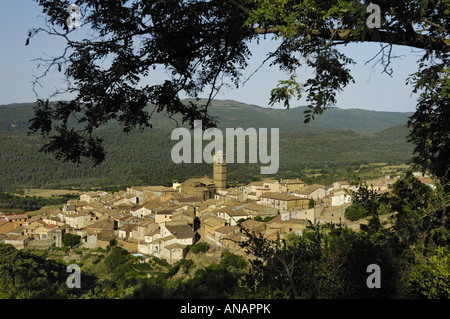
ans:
(164, 221)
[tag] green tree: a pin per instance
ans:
(24, 275)
(430, 278)
(71, 240)
(311, 203)
(355, 211)
(200, 247)
(205, 44)
(117, 257)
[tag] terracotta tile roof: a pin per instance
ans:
(181, 231)
(15, 216)
(279, 196)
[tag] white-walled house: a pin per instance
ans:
(314, 191)
(310, 214)
(170, 243)
(79, 220)
(140, 211)
(232, 216)
(339, 198)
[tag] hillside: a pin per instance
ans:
(14, 118)
(144, 157)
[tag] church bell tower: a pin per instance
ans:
(220, 171)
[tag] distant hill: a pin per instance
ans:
(14, 118)
(231, 113)
(337, 140)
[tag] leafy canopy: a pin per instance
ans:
(203, 46)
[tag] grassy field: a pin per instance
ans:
(50, 192)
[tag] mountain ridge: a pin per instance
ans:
(334, 143)
(230, 113)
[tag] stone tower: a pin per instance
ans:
(220, 171)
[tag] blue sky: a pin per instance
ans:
(373, 90)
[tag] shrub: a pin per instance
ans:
(355, 212)
(199, 248)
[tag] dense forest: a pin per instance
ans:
(31, 203)
(143, 157)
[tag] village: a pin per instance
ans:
(164, 221)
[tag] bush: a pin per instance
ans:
(116, 258)
(70, 240)
(201, 247)
(355, 212)
(229, 259)
(187, 265)
(431, 278)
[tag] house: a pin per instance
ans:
(254, 190)
(184, 233)
(164, 215)
(341, 185)
(18, 241)
(253, 226)
(102, 228)
(123, 218)
(173, 243)
(311, 214)
(127, 200)
(78, 220)
(152, 241)
(74, 205)
(224, 236)
(126, 231)
(283, 202)
(48, 235)
(30, 229)
(428, 181)
(92, 196)
(137, 193)
(108, 199)
(99, 233)
(173, 252)
(6, 226)
(274, 186)
(140, 211)
(292, 184)
(279, 228)
(146, 194)
(314, 191)
(17, 220)
(150, 248)
(208, 225)
(97, 208)
(160, 193)
(184, 216)
(257, 210)
(380, 185)
(232, 216)
(192, 201)
(250, 190)
(142, 228)
(203, 188)
(168, 240)
(231, 195)
(340, 197)
(153, 233)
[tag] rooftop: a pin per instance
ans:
(279, 196)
